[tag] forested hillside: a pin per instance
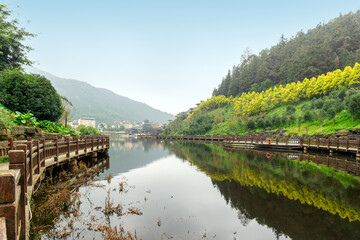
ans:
(325, 48)
(321, 105)
(102, 104)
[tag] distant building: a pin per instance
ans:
(87, 122)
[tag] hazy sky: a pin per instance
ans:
(169, 54)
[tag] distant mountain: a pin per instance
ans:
(102, 104)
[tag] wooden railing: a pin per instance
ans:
(339, 163)
(27, 161)
(5, 147)
(334, 143)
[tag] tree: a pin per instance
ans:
(67, 109)
(307, 118)
(88, 130)
(354, 105)
(250, 124)
(331, 113)
(290, 109)
(29, 92)
(12, 50)
(322, 115)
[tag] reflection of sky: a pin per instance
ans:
(169, 189)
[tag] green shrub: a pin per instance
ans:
(25, 119)
(250, 124)
(88, 130)
(260, 123)
(6, 119)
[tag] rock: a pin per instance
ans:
(355, 131)
(30, 130)
(18, 130)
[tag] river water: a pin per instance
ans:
(175, 190)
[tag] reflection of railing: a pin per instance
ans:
(26, 165)
(336, 144)
(343, 164)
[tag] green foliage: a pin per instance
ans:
(28, 119)
(199, 125)
(25, 119)
(29, 92)
(290, 109)
(6, 119)
(55, 128)
(88, 130)
(354, 104)
(12, 50)
(308, 116)
(4, 160)
(250, 124)
(275, 121)
(291, 117)
(325, 48)
(260, 123)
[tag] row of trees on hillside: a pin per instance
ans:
(252, 103)
(318, 109)
(325, 48)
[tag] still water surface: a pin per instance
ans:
(199, 191)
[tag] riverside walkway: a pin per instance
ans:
(287, 148)
(277, 143)
(28, 160)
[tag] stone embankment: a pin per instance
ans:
(22, 133)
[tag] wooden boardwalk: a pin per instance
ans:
(286, 143)
(28, 160)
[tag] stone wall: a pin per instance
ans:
(22, 132)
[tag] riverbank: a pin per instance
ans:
(27, 165)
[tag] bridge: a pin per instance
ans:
(28, 160)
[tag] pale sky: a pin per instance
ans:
(168, 54)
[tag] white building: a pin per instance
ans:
(87, 122)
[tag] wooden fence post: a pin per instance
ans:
(85, 145)
(11, 143)
(77, 147)
(36, 143)
(44, 152)
(29, 148)
(287, 140)
(347, 143)
(68, 147)
(17, 160)
(56, 158)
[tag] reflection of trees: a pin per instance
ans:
(265, 190)
(285, 216)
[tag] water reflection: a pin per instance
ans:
(195, 191)
(282, 194)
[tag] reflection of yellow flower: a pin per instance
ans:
(246, 176)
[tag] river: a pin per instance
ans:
(178, 190)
